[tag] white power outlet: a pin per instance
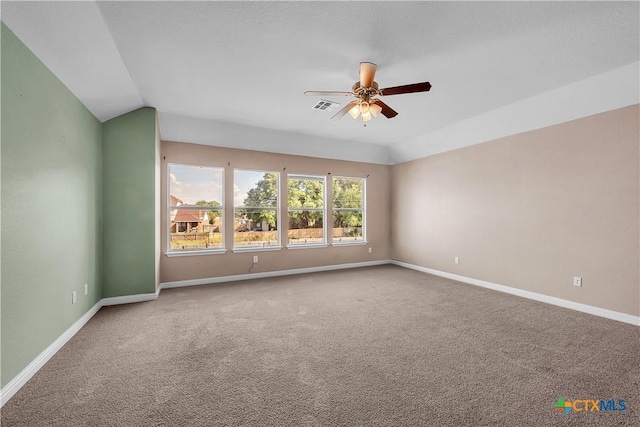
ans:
(255, 259)
(456, 260)
(86, 289)
(577, 281)
(74, 297)
(370, 250)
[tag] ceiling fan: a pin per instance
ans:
(365, 90)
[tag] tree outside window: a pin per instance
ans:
(348, 210)
(255, 209)
(305, 196)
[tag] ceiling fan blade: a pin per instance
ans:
(387, 111)
(340, 114)
(326, 93)
(415, 87)
(367, 73)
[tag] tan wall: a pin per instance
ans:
(205, 266)
(531, 211)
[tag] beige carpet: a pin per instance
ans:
(379, 346)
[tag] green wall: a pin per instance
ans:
(51, 207)
(79, 205)
(129, 203)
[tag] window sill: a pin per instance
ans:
(256, 249)
(307, 246)
(195, 253)
(358, 243)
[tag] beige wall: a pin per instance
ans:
(205, 266)
(531, 211)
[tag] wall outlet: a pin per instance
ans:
(86, 289)
(74, 297)
(577, 281)
(255, 259)
(370, 250)
(456, 260)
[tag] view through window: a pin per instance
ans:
(196, 214)
(255, 217)
(348, 209)
(306, 196)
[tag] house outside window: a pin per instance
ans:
(349, 216)
(195, 210)
(306, 210)
(256, 210)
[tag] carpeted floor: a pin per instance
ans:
(379, 346)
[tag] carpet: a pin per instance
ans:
(374, 346)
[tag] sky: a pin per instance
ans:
(192, 183)
(243, 181)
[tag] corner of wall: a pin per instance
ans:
(130, 186)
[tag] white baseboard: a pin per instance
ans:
(597, 311)
(248, 276)
(25, 375)
(128, 299)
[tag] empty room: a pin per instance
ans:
(379, 213)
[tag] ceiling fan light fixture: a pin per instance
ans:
(366, 116)
(364, 107)
(354, 112)
(375, 109)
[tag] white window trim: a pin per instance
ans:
(175, 253)
(364, 213)
(307, 246)
(325, 229)
(256, 249)
(277, 247)
(178, 253)
(354, 243)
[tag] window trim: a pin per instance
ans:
(325, 230)
(276, 247)
(364, 240)
(213, 251)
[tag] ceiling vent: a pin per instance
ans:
(325, 105)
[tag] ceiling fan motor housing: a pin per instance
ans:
(365, 93)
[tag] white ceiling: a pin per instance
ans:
(234, 73)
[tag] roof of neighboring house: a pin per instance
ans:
(174, 201)
(185, 215)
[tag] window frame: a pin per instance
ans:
(276, 247)
(194, 252)
(363, 210)
(325, 229)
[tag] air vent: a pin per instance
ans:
(325, 105)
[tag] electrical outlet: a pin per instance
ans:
(86, 289)
(255, 259)
(74, 297)
(370, 250)
(577, 281)
(456, 260)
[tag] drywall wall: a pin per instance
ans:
(215, 265)
(157, 206)
(531, 211)
(129, 203)
(51, 207)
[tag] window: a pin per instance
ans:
(305, 195)
(255, 216)
(195, 211)
(348, 210)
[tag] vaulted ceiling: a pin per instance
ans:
(234, 73)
